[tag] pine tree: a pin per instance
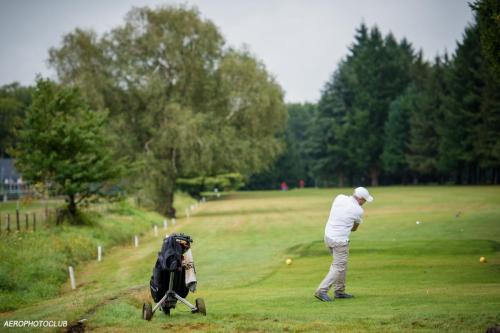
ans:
(381, 69)
(461, 109)
(330, 142)
(397, 138)
(488, 18)
(426, 91)
(354, 107)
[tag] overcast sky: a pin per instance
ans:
(300, 41)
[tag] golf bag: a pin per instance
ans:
(170, 260)
(168, 282)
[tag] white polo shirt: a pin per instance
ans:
(345, 211)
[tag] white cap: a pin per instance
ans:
(362, 192)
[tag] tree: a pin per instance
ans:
(330, 137)
(397, 137)
(487, 144)
(426, 91)
(63, 143)
(289, 168)
(190, 107)
(461, 109)
(295, 163)
(82, 62)
(355, 103)
(14, 100)
(300, 120)
(488, 19)
(381, 68)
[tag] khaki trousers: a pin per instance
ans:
(336, 274)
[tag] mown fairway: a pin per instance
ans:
(406, 277)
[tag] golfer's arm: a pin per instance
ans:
(355, 226)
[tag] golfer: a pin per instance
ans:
(345, 216)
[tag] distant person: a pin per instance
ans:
(284, 186)
(345, 216)
(301, 183)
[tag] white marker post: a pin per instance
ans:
(72, 277)
(136, 241)
(99, 253)
(155, 230)
(165, 224)
(173, 221)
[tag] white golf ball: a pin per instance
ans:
(418, 222)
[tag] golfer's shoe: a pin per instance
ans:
(323, 297)
(343, 295)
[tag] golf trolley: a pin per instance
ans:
(169, 268)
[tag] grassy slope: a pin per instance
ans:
(34, 264)
(406, 277)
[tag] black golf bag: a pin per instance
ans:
(168, 283)
(170, 260)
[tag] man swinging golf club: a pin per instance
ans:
(345, 216)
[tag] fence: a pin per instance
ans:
(25, 220)
(31, 220)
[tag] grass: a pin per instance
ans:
(29, 207)
(35, 264)
(407, 277)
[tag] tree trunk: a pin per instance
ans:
(72, 206)
(341, 179)
(471, 174)
(481, 172)
(374, 174)
(70, 212)
(169, 205)
(458, 180)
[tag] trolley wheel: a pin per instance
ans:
(200, 305)
(147, 311)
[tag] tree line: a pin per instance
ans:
(160, 103)
(388, 116)
(162, 97)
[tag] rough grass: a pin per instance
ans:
(34, 264)
(406, 277)
(28, 205)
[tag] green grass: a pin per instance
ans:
(406, 277)
(34, 264)
(28, 206)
